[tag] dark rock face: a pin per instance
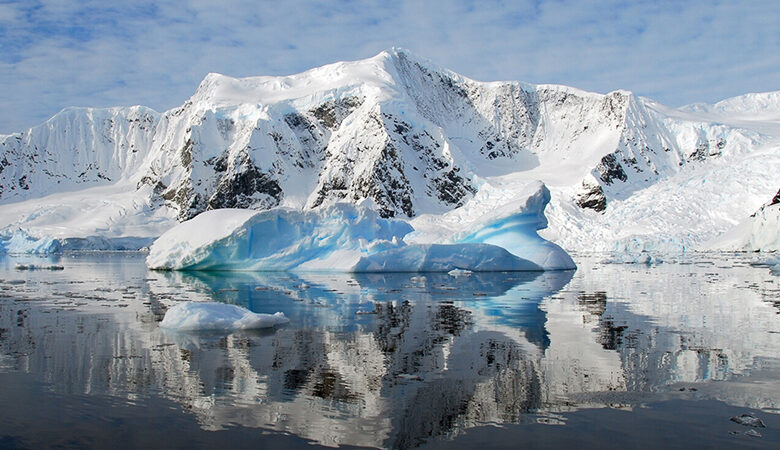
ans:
(392, 163)
(592, 197)
(246, 189)
(707, 149)
(610, 169)
(387, 185)
(331, 113)
(189, 203)
(775, 199)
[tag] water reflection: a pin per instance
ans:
(392, 359)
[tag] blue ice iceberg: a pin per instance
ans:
(517, 234)
(332, 239)
(444, 258)
(513, 225)
(19, 241)
(342, 237)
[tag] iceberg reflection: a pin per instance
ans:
(390, 360)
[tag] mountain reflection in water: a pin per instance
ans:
(391, 360)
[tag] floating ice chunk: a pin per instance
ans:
(334, 238)
(633, 258)
(501, 216)
(459, 273)
(749, 420)
(517, 234)
(342, 237)
(444, 258)
(775, 270)
(198, 316)
(38, 267)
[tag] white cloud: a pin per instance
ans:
(94, 53)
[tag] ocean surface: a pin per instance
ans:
(607, 356)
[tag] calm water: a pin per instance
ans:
(608, 356)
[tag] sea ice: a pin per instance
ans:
(200, 316)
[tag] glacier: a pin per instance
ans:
(341, 237)
(19, 241)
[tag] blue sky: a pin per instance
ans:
(62, 53)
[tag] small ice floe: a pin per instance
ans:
(459, 273)
(38, 267)
(775, 270)
(408, 376)
(363, 312)
(633, 258)
(418, 279)
(752, 433)
(749, 420)
(202, 316)
(765, 261)
(303, 286)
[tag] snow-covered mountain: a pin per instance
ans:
(417, 139)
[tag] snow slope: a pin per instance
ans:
(418, 140)
(759, 232)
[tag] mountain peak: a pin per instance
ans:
(221, 90)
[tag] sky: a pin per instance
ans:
(59, 53)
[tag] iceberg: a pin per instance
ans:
(461, 258)
(211, 316)
(20, 242)
(517, 234)
(342, 237)
(332, 239)
(507, 216)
